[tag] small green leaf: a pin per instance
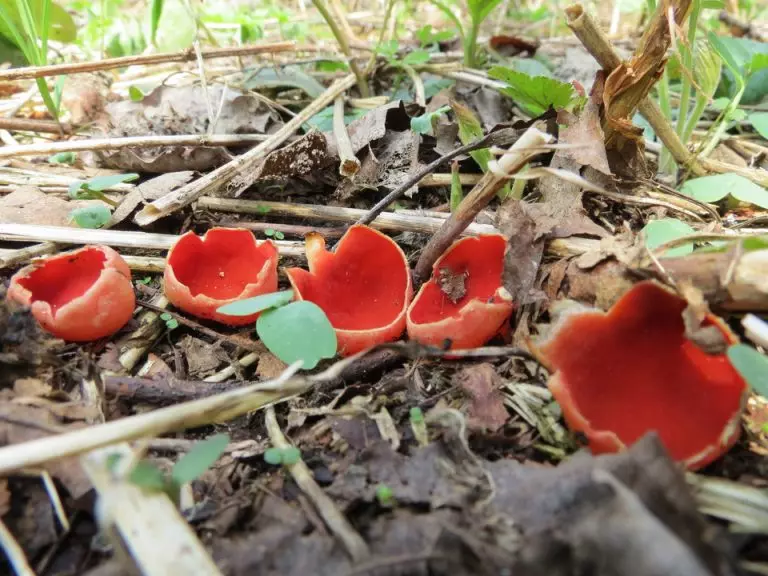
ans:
(759, 121)
(423, 124)
(287, 77)
(752, 366)
(94, 216)
(535, 94)
(416, 415)
(146, 475)
(172, 324)
(658, 232)
(63, 158)
(273, 456)
(100, 183)
(269, 232)
(279, 235)
(416, 58)
(165, 316)
(717, 187)
(74, 190)
(298, 331)
(290, 455)
(384, 496)
(250, 306)
(135, 94)
(113, 460)
(201, 457)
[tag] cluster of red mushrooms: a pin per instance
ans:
(616, 375)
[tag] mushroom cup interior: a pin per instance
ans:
(60, 280)
(633, 370)
(360, 286)
(221, 266)
(477, 263)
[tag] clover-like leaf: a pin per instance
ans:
(717, 187)
(249, 306)
(752, 366)
(94, 216)
(298, 331)
(663, 230)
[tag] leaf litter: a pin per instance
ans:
(440, 461)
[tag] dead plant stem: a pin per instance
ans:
(145, 60)
(302, 475)
(348, 162)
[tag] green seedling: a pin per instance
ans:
(188, 468)
(170, 322)
(292, 330)
(282, 456)
(478, 11)
(419, 426)
(384, 496)
(68, 158)
(93, 189)
(536, 94)
(276, 234)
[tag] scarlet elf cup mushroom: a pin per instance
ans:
(364, 286)
(621, 374)
(464, 300)
(206, 272)
(81, 295)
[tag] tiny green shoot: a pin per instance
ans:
(384, 496)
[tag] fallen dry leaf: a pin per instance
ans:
(28, 205)
(525, 249)
(486, 409)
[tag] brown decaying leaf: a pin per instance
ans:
(525, 249)
(486, 409)
(28, 205)
(586, 133)
(452, 284)
(148, 191)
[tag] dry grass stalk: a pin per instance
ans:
(143, 60)
(349, 165)
(149, 534)
(333, 518)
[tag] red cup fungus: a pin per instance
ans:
(203, 273)
(81, 295)
(464, 300)
(364, 286)
(632, 370)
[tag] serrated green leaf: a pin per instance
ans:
(100, 183)
(658, 232)
(416, 58)
(146, 475)
(201, 457)
(752, 366)
(717, 187)
(423, 124)
(707, 66)
(532, 67)
(535, 94)
(759, 121)
(250, 306)
(298, 331)
(94, 216)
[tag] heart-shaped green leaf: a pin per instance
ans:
(658, 232)
(752, 366)
(250, 306)
(298, 331)
(717, 187)
(759, 122)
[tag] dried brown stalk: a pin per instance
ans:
(144, 60)
(518, 155)
(349, 165)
